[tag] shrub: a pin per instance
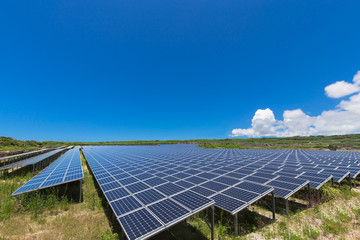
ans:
(107, 234)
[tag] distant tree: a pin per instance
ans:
(332, 147)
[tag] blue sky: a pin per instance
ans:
(128, 70)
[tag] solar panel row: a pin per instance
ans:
(34, 160)
(66, 168)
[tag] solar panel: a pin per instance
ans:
(169, 189)
(116, 194)
(240, 194)
(140, 223)
(257, 188)
(149, 196)
(168, 210)
(192, 200)
(214, 186)
(125, 205)
(228, 203)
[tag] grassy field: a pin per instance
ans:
(49, 216)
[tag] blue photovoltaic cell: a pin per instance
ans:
(292, 180)
(136, 187)
(196, 180)
(170, 172)
(227, 203)
(139, 223)
(207, 175)
(171, 179)
(184, 184)
(192, 171)
(116, 194)
(283, 185)
(106, 180)
(169, 189)
(125, 205)
(236, 175)
(240, 194)
(121, 176)
(128, 181)
(155, 181)
(281, 192)
(256, 179)
(226, 180)
(135, 172)
(203, 191)
(257, 188)
(149, 196)
(168, 211)
(110, 186)
(264, 175)
(144, 176)
(160, 174)
(214, 186)
(191, 200)
(181, 175)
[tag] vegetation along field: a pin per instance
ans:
(344, 142)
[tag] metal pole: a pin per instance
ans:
(273, 205)
(317, 195)
(350, 180)
(309, 194)
(80, 196)
(212, 222)
(286, 206)
(354, 181)
(236, 224)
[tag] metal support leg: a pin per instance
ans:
(236, 224)
(212, 222)
(273, 206)
(309, 194)
(80, 196)
(350, 181)
(287, 206)
(354, 181)
(332, 182)
(317, 195)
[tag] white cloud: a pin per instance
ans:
(263, 124)
(344, 119)
(356, 78)
(342, 88)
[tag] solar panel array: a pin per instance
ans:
(32, 160)
(164, 184)
(65, 169)
(144, 204)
